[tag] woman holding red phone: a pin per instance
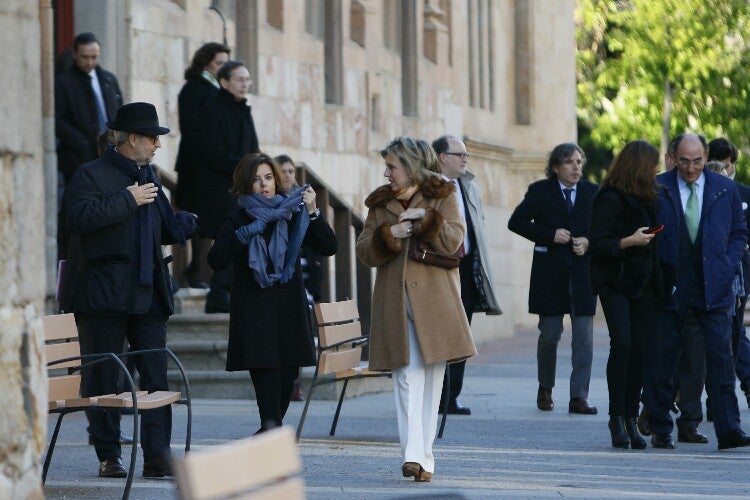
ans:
(625, 274)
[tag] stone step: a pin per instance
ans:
(190, 300)
(198, 326)
(200, 354)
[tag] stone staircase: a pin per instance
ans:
(200, 342)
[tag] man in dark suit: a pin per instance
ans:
(701, 246)
(117, 282)
(86, 97)
(477, 283)
(556, 215)
(721, 150)
(227, 134)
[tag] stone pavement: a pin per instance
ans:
(505, 449)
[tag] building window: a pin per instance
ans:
(315, 18)
(357, 23)
(392, 17)
(275, 13)
(333, 52)
(409, 60)
(481, 54)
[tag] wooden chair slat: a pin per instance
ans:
(336, 312)
(53, 352)
(332, 334)
(59, 327)
(64, 387)
(337, 361)
(228, 469)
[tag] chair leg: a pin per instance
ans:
(446, 392)
(189, 424)
(307, 404)
(51, 447)
(133, 453)
(338, 409)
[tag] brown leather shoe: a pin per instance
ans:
(413, 469)
(544, 399)
(690, 435)
(582, 406)
(112, 467)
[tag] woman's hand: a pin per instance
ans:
(638, 238)
(412, 214)
(402, 230)
(308, 198)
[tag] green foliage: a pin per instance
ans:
(631, 51)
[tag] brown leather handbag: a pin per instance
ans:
(423, 252)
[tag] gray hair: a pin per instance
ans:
(120, 137)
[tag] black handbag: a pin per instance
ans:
(423, 252)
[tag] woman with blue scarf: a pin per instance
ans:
(269, 323)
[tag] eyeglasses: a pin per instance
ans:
(684, 162)
(463, 156)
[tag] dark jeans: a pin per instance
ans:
(630, 323)
(100, 334)
(273, 391)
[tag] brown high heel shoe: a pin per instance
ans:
(413, 469)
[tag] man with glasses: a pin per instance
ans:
(227, 135)
(700, 248)
(556, 215)
(477, 284)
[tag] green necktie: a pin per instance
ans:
(692, 219)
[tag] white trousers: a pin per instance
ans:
(417, 388)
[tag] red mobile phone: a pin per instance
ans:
(654, 230)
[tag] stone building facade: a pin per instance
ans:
(334, 81)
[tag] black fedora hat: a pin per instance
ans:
(139, 118)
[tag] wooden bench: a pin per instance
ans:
(340, 343)
(262, 467)
(64, 362)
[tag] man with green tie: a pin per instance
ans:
(699, 251)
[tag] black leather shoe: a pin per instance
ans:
(112, 468)
(454, 408)
(663, 441)
(644, 427)
(157, 467)
(581, 406)
(690, 435)
(617, 431)
(544, 399)
(734, 439)
(636, 441)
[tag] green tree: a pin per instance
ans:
(653, 69)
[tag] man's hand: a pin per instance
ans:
(143, 194)
(580, 245)
(562, 236)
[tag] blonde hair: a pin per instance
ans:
(416, 155)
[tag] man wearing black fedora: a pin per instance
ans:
(118, 284)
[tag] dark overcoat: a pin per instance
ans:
(268, 327)
(227, 134)
(194, 94)
(744, 192)
(76, 122)
(555, 267)
(617, 215)
(434, 292)
(101, 275)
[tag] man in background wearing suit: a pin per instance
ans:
(556, 215)
(477, 285)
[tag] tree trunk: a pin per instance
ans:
(666, 118)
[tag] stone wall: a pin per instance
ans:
(23, 398)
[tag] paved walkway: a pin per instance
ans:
(506, 448)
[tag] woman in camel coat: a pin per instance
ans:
(418, 322)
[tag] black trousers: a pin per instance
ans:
(469, 297)
(106, 333)
(630, 322)
(273, 391)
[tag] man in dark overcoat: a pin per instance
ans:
(556, 215)
(227, 135)
(117, 282)
(86, 97)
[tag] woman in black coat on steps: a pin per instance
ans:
(625, 274)
(269, 322)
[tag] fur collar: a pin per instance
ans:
(432, 187)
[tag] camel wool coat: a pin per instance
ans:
(434, 292)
